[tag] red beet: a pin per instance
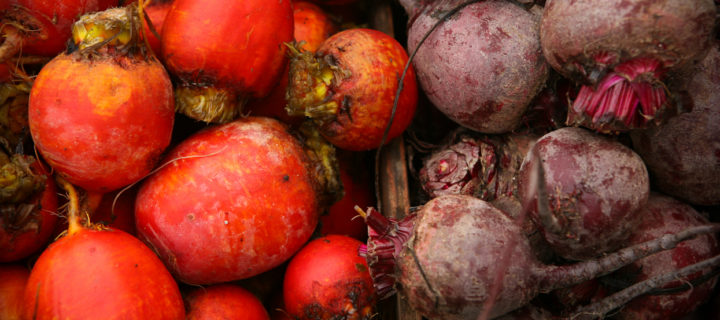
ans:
(482, 66)
(224, 53)
(348, 88)
(42, 27)
(328, 279)
(622, 51)
(102, 116)
(665, 215)
(236, 200)
(99, 273)
(445, 259)
(683, 155)
(224, 301)
(13, 278)
(594, 186)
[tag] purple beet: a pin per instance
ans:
(623, 50)
(683, 155)
(482, 66)
(450, 256)
(594, 187)
(666, 215)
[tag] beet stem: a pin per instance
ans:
(567, 275)
(73, 217)
(614, 301)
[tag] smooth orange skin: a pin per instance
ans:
(13, 278)
(105, 274)
(224, 301)
(241, 206)
(56, 17)
(313, 25)
(14, 247)
(375, 62)
(101, 124)
(319, 278)
(228, 44)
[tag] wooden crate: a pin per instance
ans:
(392, 171)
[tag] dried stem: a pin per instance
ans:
(614, 301)
(567, 275)
(73, 205)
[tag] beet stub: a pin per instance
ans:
(483, 166)
(444, 258)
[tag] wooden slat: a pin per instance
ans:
(392, 172)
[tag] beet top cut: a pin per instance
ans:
(622, 51)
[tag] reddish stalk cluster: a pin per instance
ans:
(630, 96)
(386, 237)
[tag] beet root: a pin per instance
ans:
(482, 66)
(682, 154)
(594, 187)
(445, 259)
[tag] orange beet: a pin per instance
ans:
(105, 274)
(328, 279)
(102, 119)
(13, 278)
(238, 200)
(224, 52)
(45, 25)
(24, 233)
(348, 88)
(312, 25)
(224, 301)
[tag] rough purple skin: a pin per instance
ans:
(665, 215)
(595, 185)
(623, 51)
(481, 67)
(683, 155)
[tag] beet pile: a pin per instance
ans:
(358, 159)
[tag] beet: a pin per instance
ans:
(102, 115)
(328, 279)
(483, 65)
(236, 200)
(683, 155)
(444, 258)
(666, 215)
(594, 187)
(224, 301)
(622, 50)
(483, 166)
